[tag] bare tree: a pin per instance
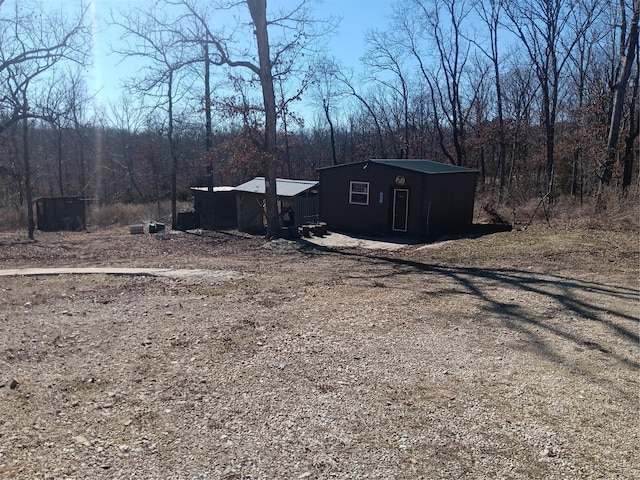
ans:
(287, 115)
(628, 44)
(258, 11)
(77, 101)
(63, 107)
(325, 92)
(434, 30)
(190, 29)
(444, 22)
(54, 110)
(34, 41)
(270, 59)
(520, 92)
(348, 80)
(633, 131)
(490, 12)
(549, 30)
(386, 58)
(478, 120)
(155, 41)
(128, 122)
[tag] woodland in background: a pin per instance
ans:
(539, 96)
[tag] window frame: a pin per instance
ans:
(366, 194)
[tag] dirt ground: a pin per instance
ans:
(510, 355)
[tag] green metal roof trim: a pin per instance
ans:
(423, 166)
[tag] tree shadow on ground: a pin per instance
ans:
(613, 307)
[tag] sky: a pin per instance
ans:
(347, 45)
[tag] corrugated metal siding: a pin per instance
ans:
(306, 210)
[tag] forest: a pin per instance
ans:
(540, 96)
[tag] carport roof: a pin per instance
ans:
(215, 189)
(284, 187)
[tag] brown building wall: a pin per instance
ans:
(448, 200)
(436, 203)
(341, 215)
(216, 210)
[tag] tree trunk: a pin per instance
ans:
(207, 99)
(502, 144)
(60, 172)
(31, 226)
(174, 156)
(258, 10)
(325, 105)
(285, 127)
(208, 142)
(619, 90)
(287, 151)
(483, 170)
(549, 127)
(629, 141)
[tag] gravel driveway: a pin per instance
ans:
(513, 355)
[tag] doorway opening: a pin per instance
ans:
(400, 210)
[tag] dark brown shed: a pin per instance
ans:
(215, 207)
(413, 198)
(60, 213)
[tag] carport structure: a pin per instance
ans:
(297, 203)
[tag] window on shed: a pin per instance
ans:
(359, 193)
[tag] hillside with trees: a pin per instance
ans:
(540, 96)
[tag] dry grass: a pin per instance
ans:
(12, 217)
(621, 213)
(100, 216)
(128, 213)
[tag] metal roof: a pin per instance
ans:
(422, 166)
(215, 189)
(284, 187)
(416, 165)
